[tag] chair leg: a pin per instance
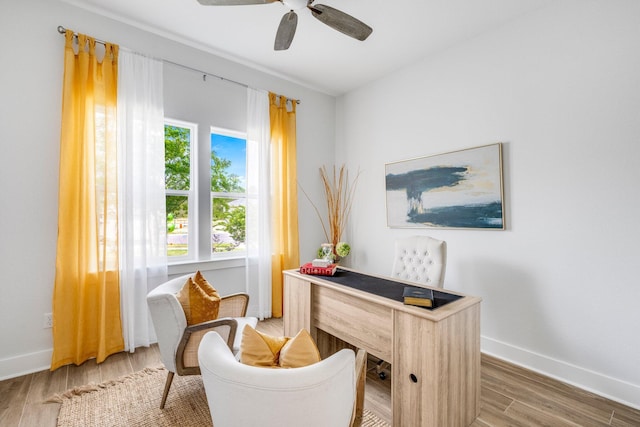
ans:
(380, 367)
(167, 386)
(361, 375)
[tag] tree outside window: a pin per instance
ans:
(178, 137)
(228, 194)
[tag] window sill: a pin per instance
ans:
(186, 267)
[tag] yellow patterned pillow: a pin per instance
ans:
(200, 280)
(258, 349)
(299, 351)
(197, 304)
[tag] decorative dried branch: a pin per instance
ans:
(339, 197)
(324, 229)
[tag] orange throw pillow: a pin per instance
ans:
(299, 351)
(259, 349)
(200, 280)
(199, 301)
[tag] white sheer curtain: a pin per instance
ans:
(143, 256)
(258, 214)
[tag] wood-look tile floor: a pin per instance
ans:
(510, 395)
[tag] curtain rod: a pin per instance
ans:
(62, 30)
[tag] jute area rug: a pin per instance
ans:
(134, 401)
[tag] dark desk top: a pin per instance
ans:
(384, 287)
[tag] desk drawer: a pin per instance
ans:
(364, 324)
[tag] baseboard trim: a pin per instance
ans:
(608, 387)
(611, 388)
(24, 364)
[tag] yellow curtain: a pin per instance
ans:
(285, 195)
(86, 296)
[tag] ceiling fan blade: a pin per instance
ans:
(234, 2)
(341, 21)
(286, 31)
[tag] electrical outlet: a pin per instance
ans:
(48, 320)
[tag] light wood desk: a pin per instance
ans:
(434, 354)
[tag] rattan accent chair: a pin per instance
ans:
(178, 342)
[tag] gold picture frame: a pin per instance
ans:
(460, 189)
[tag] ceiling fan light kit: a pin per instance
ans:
(329, 16)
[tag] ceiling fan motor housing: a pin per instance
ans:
(295, 4)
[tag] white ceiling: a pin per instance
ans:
(404, 31)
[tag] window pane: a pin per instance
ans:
(177, 225)
(228, 164)
(177, 157)
(228, 224)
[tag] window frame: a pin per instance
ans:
(192, 217)
(230, 195)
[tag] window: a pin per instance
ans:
(228, 199)
(179, 142)
(228, 190)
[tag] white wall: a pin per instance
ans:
(561, 89)
(30, 102)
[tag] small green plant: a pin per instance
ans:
(343, 249)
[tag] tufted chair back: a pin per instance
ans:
(420, 259)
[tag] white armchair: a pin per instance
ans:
(178, 342)
(329, 393)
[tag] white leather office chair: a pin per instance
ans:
(327, 393)
(420, 259)
(178, 342)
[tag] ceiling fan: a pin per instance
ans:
(334, 18)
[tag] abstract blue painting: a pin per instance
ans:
(461, 189)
